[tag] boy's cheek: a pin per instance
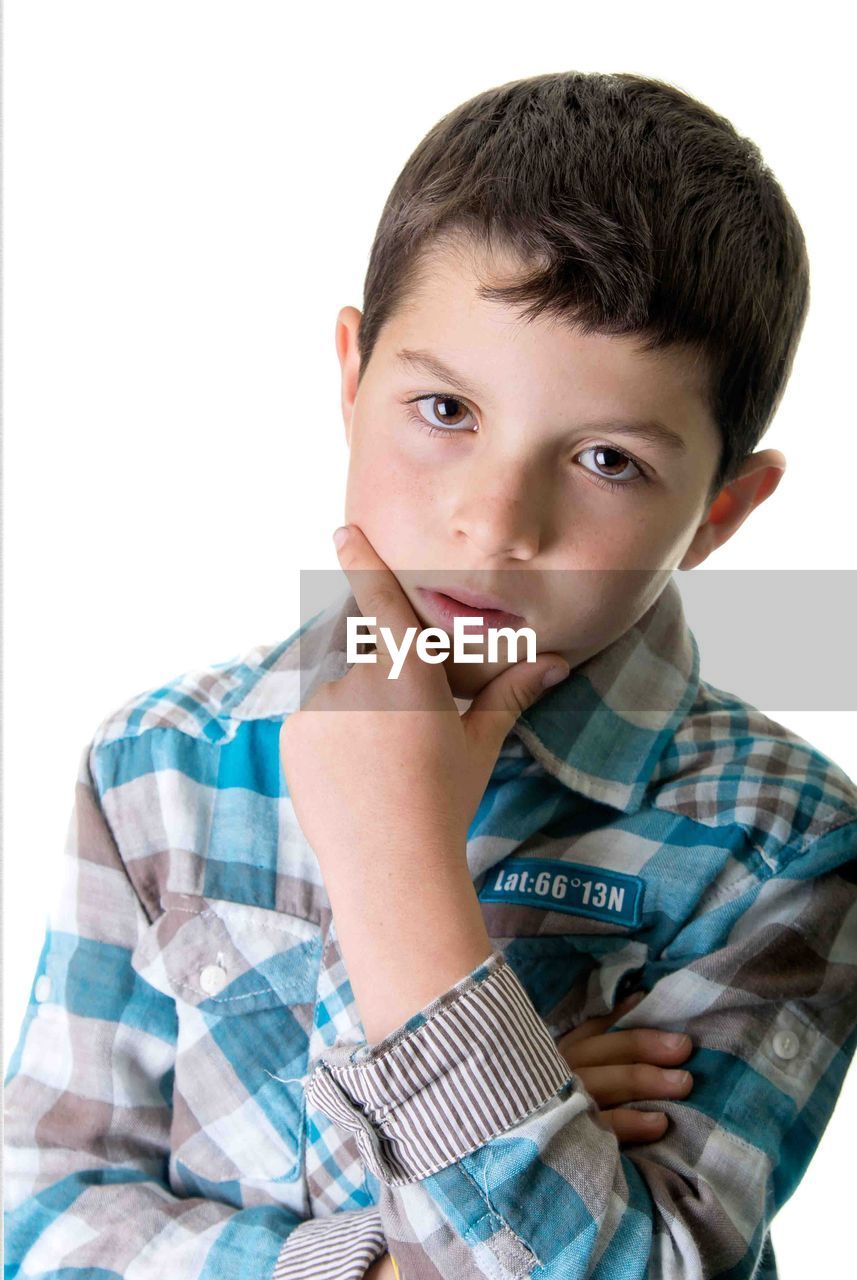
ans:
(393, 527)
(383, 475)
(390, 511)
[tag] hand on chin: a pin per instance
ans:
(466, 680)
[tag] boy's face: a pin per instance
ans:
(521, 486)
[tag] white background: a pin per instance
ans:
(191, 191)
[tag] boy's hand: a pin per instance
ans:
(380, 767)
(624, 1066)
(614, 1068)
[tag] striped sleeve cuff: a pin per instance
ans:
(341, 1247)
(474, 1062)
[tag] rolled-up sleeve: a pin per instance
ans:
(488, 1149)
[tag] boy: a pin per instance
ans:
(313, 995)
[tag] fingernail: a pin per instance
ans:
(652, 1117)
(673, 1039)
(340, 535)
(676, 1077)
(553, 675)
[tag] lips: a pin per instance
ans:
(479, 601)
(467, 604)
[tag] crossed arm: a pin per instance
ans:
(615, 1069)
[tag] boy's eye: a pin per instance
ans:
(608, 458)
(448, 417)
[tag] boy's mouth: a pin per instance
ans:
(448, 607)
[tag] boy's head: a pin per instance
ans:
(593, 259)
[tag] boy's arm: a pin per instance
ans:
(488, 1152)
(88, 1111)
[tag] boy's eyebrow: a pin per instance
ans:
(652, 430)
(424, 360)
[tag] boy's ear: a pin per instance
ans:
(756, 480)
(347, 326)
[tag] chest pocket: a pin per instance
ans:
(244, 979)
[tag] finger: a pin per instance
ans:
(631, 1125)
(634, 1083)
(376, 589)
(639, 1044)
(495, 709)
(594, 1025)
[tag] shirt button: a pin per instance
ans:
(43, 988)
(785, 1044)
(212, 979)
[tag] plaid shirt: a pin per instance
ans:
(192, 1094)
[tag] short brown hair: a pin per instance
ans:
(640, 211)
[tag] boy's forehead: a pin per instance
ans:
(444, 317)
(457, 264)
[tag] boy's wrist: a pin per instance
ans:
(408, 928)
(383, 1268)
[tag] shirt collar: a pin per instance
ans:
(603, 730)
(600, 732)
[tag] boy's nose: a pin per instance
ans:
(503, 515)
(500, 527)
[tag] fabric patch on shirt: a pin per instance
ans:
(566, 886)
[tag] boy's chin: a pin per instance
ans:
(468, 679)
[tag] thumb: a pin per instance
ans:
(496, 708)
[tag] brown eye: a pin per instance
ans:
(447, 416)
(451, 410)
(612, 463)
(613, 456)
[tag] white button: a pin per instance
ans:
(212, 979)
(786, 1044)
(43, 988)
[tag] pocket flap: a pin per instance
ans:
(229, 957)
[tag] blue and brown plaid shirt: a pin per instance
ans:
(192, 1095)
